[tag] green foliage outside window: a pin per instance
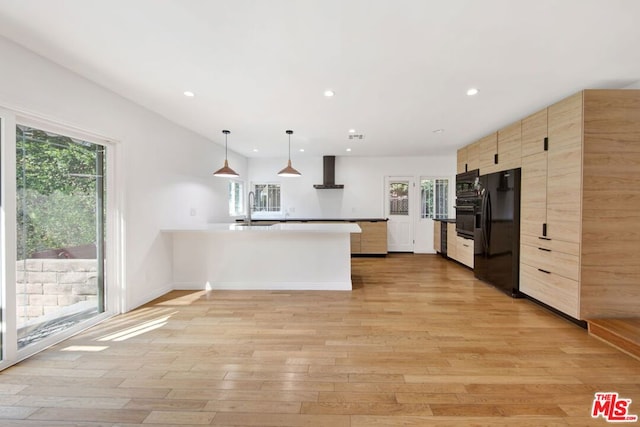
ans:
(56, 191)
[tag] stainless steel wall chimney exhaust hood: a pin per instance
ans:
(328, 174)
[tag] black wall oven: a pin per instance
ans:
(467, 203)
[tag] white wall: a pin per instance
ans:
(166, 170)
(363, 193)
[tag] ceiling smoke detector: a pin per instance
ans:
(356, 136)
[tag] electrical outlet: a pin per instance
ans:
(292, 209)
(193, 212)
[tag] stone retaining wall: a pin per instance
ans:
(45, 286)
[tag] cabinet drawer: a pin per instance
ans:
(464, 251)
(554, 290)
(555, 245)
(563, 264)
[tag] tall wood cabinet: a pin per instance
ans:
(579, 158)
(580, 201)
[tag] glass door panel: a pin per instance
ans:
(60, 232)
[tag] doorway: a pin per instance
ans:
(400, 210)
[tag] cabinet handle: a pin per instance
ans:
(544, 238)
(544, 271)
(466, 246)
(545, 249)
(495, 159)
(546, 143)
(544, 229)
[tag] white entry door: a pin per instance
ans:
(399, 200)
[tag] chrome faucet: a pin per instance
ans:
(250, 206)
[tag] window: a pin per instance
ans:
(236, 198)
(267, 198)
(434, 198)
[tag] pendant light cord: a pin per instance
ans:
(289, 132)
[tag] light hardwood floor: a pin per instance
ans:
(419, 342)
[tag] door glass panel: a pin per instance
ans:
(399, 198)
(60, 232)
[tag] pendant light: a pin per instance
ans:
(225, 171)
(289, 170)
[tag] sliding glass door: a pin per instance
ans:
(60, 232)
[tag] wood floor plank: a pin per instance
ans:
(419, 341)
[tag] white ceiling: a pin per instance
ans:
(400, 68)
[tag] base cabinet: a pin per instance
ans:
(372, 240)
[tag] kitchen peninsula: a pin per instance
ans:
(282, 256)
(370, 241)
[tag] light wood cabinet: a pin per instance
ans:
(373, 239)
(534, 134)
(437, 236)
(451, 240)
(356, 243)
(580, 160)
(533, 194)
(488, 150)
(510, 147)
(461, 160)
(464, 251)
(473, 156)
(582, 191)
(479, 155)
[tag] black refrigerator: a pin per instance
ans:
(497, 233)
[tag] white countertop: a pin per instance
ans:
(308, 227)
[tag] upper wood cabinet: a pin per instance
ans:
(462, 160)
(473, 155)
(488, 147)
(510, 147)
(534, 133)
(495, 152)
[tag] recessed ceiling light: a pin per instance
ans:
(348, 149)
(329, 93)
(188, 94)
(352, 131)
(302, 150)
(438, 131)
(255, 150)
(472, 91)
